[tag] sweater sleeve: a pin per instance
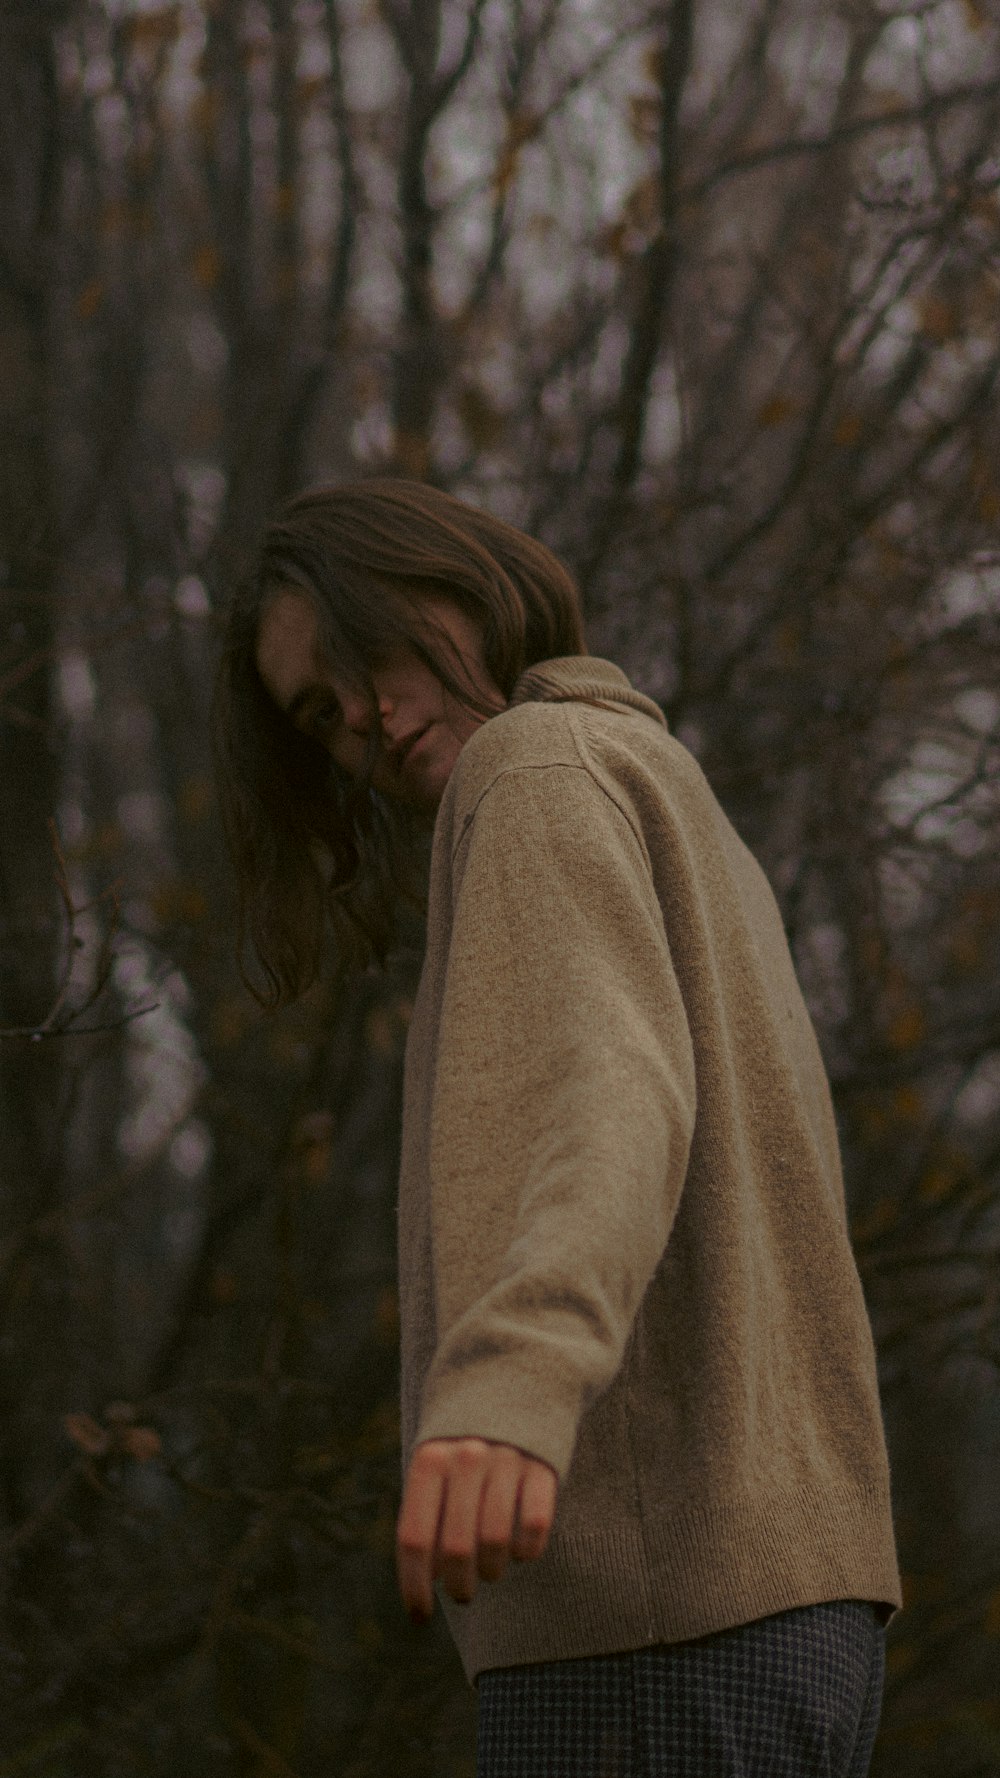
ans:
(562, 1112)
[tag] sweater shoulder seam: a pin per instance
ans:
(555, 765)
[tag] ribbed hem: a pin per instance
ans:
(630, 1585)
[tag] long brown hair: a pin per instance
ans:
(306, 840)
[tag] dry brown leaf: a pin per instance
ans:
(87, 1434)
(141, 1442)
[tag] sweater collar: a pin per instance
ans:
(570, 676)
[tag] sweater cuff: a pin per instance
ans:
(514, 1409)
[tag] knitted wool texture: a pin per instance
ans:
(622, 1229)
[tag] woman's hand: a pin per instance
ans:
(469, 1507)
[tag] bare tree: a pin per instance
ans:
(29, 203)
(706, 298)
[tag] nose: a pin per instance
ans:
(357, 709)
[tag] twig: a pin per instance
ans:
(252, 1625)
(848, 132)
(105, 963)
(35, 1034)
(269, 1758)
(241, 1558)
(59, 1492)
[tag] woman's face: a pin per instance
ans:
(412, 702)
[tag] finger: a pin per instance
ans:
(535, 1511)
(498, 1510)
(417, 1531)
(458, 1538)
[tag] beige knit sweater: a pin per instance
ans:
(623, 1240)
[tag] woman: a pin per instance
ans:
(639, 1387)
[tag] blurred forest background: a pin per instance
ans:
(705, 296)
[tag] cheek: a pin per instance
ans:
(461, 723)
(448, 749)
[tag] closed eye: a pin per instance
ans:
(322, 718)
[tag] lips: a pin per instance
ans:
(406, 746)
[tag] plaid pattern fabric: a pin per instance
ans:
(797, 1695)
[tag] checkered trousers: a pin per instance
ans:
(796, 1695)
